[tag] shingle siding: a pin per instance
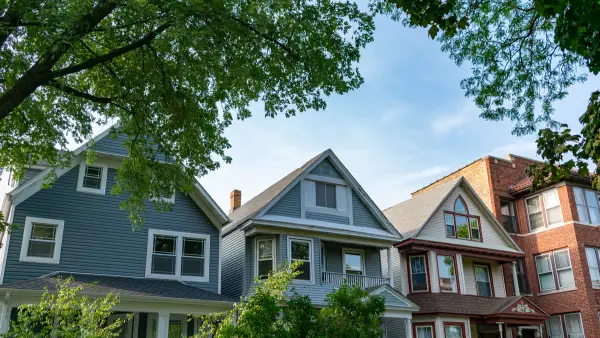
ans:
(97, 235)
(234, 246)
(289, 205)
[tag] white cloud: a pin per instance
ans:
(448, 122)
(521, 147)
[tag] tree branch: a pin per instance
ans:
(87, 96)
(10, 20)
(266, 37)
(90, 63)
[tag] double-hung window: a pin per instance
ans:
(554, 270)
(574, 325)
(571, 323)
(461, 224)
(454, 330)
(593, 260)
(418, 273)
(522, 281)
(483, 280)
(42, 240)
(554, 327)
(323, 195)
(423, 330)
(301, 250)
(354, 263)
(544, 210)
(92, 178)
(587, 205)
(265, 257)
(178, 255)
(447, 274)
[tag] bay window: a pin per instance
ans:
(418, 273)
(570, 323)
(554, 270)
(454, 330)
(459, 223)
(300, 250)
(423, 330)
(265, 257)
(587, 205)
(543, 210)
(447, 273)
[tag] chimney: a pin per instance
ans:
(235, 200)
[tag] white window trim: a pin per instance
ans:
(432, 327)
(274, 246)
(27, 236)
(554, 272)
(580, 322)
(562, 331)
(586, 205)
(412, 283)
(542, 206)
(570, 267)
(362, 259)
(170, 200)
(489, 273)
(550, 259)
(81, 188)
(325, 210)
(179, 253)
(311, 257)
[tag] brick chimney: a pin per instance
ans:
(235, 200)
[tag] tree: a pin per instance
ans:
(525, 54)
(173, 73)
(66, 314)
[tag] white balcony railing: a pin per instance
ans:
(364, 281)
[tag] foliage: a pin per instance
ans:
(270, 312)
(524, 56)
(173, 73)
(66, 314)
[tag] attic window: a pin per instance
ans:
(92, 178)
(325, 195)
(459, 223)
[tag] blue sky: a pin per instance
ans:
(408, 124)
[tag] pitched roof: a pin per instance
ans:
(122, 286)
(409, 216)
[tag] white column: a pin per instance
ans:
(390, 266)
(513, 267)
(163, 325)
(539, 332)
(500, 329)
(409, 328)
(136, 324)
(5, 314)
(461, 274)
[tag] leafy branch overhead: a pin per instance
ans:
(173, 73)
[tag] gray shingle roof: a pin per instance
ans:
(122, 286)
(409, 216)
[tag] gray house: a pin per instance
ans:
(319, 215)
(170, 268)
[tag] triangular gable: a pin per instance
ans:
(112, 145)
(326, 168)
(334, 166)
(393, 298)
(522, 306)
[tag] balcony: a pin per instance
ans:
(509, 223)
(335, 278)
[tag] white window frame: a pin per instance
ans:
(489, 281)
(596, 252)
(256, 257)
(580, 323)
(311, 257)
(432, 327)
(542, 206)
(586, 204)
(343, 203)
(55, 259)
(362, 259)
(179, 254)
(412, 284)
(554, 270)
(81, 188)
(562, 331)
(557, 270)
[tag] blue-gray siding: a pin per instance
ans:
(325, 168)
(289, 204)
(395, 327)
(363, 217)
(392, 300)
(111, 145)
(335, 262)
(97, 234)
(327, 217)
(233, 269)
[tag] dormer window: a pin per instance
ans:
(325, 195)
(461, 224)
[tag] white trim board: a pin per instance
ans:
(58, 235)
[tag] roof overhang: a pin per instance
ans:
(418, 245)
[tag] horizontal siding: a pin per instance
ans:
(327, 217)
(111, 145)
(395, 327)
(469, 280)
(403, 270)
(97, 235)
(391, 299)
(325, 168)
(334, 258)
(363, 217)
(289, 205)
(233, 259)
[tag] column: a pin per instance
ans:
(539, 332)
(390, 266)
(5, 314)
(500, 329)
(162, 330)
(513, 267)
(409, 328)
(136, 324)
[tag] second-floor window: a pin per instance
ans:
(42, 240)
(447, 273)
(521, 279)
(300, 250)
(265, 257)
(509, 219)
(483, 280)
(92, 178)
(326, 197)
(353, 262)
(177, 255)
(554, 270)
(587, 205)
(418, 273)
(544, 210)
(461, 224)
(593, 258)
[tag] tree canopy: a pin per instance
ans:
(173, 73)
(524, 55)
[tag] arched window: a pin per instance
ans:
(460, 223)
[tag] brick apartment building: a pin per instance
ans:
(557, 228)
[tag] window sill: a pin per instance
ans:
(329, 211)
(41, 260)
(91, 191)
(596, 287)
(550, 292)
(179, 278)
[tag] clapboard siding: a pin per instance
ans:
(469, 280)
(111, 145)
(363, 217)
(391, 299)
(289, 205)
(328, 218)
(97, 237)
(403, 269)
(325, 168)
(233, 259)
(395, 327)
(492, 236)
(335, 262)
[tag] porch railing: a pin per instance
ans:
(336, 278)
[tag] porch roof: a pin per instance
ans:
(129, 287)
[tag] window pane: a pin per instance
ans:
(417, 264)
(592, 261)
(561, 259)
(300, 250)
(582, 212)
(554, 215)
(163, 264)
(449, 219)
(325, 195)
(578, 195)
(92, 177)
(565, 278)
(484, 289)
(353, 261)
(304, 270)
(459, 206)
(554, 327)
(536, 221)
(93, 183)
(43, 231)
(574, 327)
(93, 172)
(453, 331)
(424, 332)
(474, 228)
(533, 205)
(264, 267)
(320, 194)
(265, 249)
(594, 215)
(542, 264)
(462, 227)
(482, 274)
(551, 198)
(164, 244)
(193, 247)
(447, 274)
(592, 198)
(547, 281)
(40, 249)
(330, 189)
(192, 266)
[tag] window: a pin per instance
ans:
(418, 273)
(592, 260)
(509, 219)
(265, 257)
(521, 279)
(587, 205)
(454, 330)
(460, 224)
(574, 325)
(544, 210)
(483, 281)
(326, 196)
(42, 240)
(554, 270)
(300, 250)
(92, 178)
(177, 255)
(447, 273)
(554, 327)
(353, 262)
(422, 330)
